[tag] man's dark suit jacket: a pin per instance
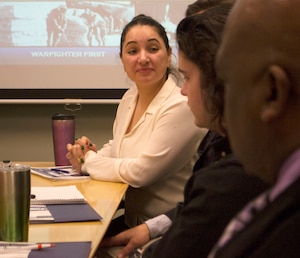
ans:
(275, 232)
(212, 197)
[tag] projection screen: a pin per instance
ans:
(69, 50)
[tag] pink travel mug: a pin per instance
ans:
(63, 132)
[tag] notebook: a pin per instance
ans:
(58, 173)
(56, 195)
(54, 204)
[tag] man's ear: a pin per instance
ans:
(277, 93)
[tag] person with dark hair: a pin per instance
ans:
(56, 25)
(155, 142)
(216, 192)
(262, 96)
(202, 5)
(96, 27)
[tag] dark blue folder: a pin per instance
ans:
(73, 212)
(64, 250)
(68, 213)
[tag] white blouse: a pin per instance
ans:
(155, 158)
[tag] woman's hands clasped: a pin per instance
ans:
(76, 153)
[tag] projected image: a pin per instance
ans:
(64, 23)
(75, 23)
(168, 13)
(75, 44)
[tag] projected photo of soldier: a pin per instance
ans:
(168, 13)
(103, 20)
(56, 25)
(96, 27)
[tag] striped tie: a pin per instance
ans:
(240, 221)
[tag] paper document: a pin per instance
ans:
(58, 173)
(40, 214)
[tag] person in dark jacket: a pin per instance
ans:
(216, 192)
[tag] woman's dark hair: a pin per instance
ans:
(199, 37)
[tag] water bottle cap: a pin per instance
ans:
(8, 166)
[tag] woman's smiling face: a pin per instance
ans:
(144, 56)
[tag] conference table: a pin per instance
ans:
(103, 197)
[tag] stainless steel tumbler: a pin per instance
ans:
(63, 132)
(14, 201)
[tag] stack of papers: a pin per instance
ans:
(40, 214)
(58, 173)
(60, 204)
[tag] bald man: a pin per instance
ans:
(259, 61)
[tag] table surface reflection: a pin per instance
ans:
(104, 197)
